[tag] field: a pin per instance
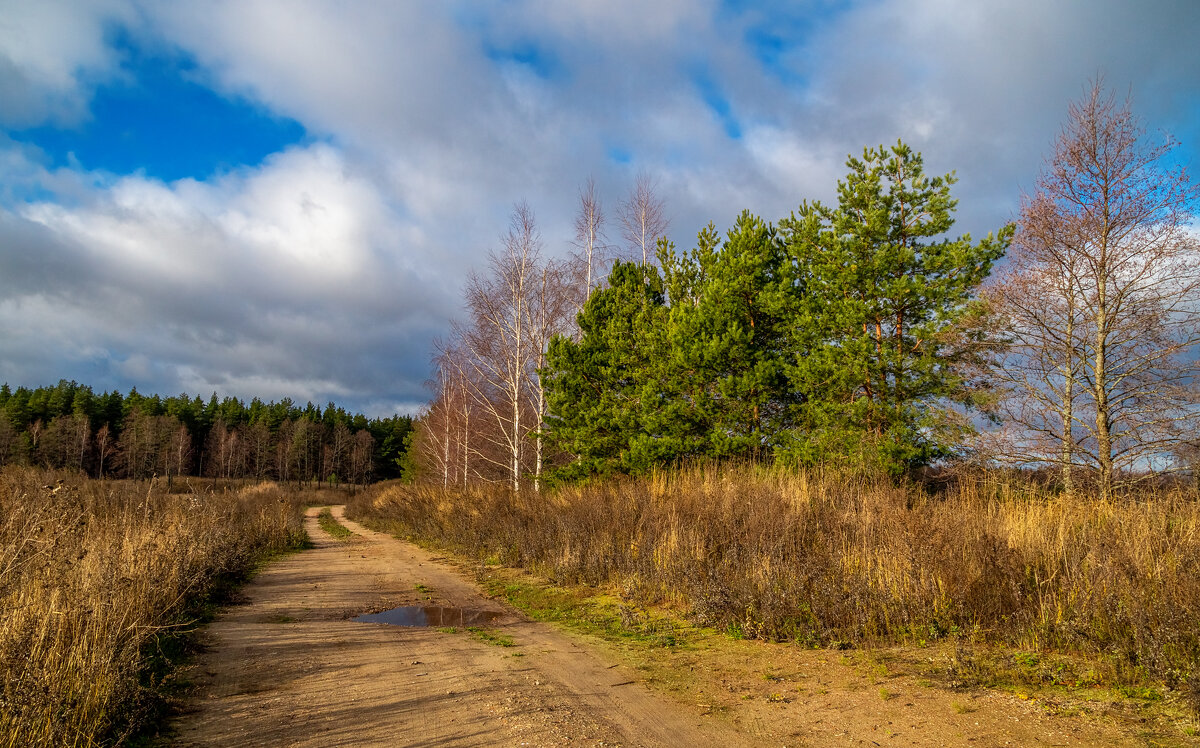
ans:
(986, 583)
(1026, 587)
(99, 580)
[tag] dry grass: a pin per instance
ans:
(97, 579)
(838, 561)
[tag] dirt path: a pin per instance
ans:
(289, 668)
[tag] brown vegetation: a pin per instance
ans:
(97, 581)
(836, 561)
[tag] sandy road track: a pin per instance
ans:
(288, 667)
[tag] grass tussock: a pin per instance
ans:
(98, 580)
(834, 561)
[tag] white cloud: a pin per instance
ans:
(50, 51)
(285, 273)
(329, 267)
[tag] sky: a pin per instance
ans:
(283, 198)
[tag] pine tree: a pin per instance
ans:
(731, 307)
(600, 390)
(878, 345)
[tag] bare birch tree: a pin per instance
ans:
(589, 237)
(550, 314)
(458, 391)
(440, 427)
(643, 218)
(1109, 250)
(498, 341)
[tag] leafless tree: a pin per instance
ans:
(179, 450)
(1038, 295)
(337, 451)
(360, 456)
(451, 413)
(256, 438)
(135, 447)
(1102, 301)
(437, 427)
(497, 340)
(283, 445)
(105, 446)
(589, 237)
(484, 422)
(222, 449)
(643, 218)
(550, 307)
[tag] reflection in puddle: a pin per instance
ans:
(416, 615)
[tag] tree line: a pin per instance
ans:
(861, 333)
(108, 434)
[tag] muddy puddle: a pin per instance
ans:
(416, 615)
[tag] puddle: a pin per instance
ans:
(416, 615)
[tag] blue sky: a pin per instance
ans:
(269, 198)
(161, 118)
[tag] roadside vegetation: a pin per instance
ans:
(846, 562)
(101, 581)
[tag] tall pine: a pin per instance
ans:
(879, 342)
(603, 396)
(731, 308)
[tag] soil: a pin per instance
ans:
(288, 667)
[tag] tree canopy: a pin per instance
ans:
(843, 334)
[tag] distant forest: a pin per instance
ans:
(69, 426)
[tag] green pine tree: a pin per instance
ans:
(731, 308)
(878, 343)
(603, 399)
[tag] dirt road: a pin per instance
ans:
(288, 667)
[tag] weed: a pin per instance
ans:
(885, 694)
(1142, 693)
(491, 637)
(1027, 659)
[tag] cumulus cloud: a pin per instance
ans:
(284, 273)
(326, 270)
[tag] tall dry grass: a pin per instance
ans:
(776, 555)
(95, 578)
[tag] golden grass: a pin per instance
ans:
(826, 560)
(96, 578)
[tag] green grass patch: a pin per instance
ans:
(592, 613)
(488, 636)
(336, 529)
